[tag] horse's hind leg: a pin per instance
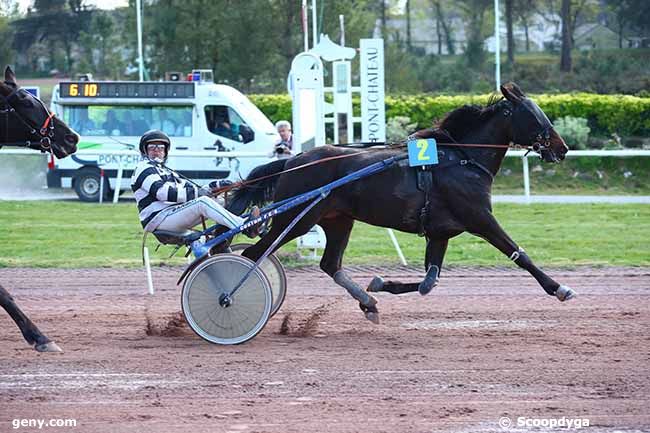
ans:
(436, 249)
(31, 333)
(338, 231)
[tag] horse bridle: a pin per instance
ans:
(541, 140)
(45, 132)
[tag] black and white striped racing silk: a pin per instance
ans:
(157, 188)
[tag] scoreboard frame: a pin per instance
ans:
(126, 89)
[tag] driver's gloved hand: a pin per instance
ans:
(221, 183)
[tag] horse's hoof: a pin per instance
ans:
(430, 280)
(48, 347)
(376, 284)
(373, 316)
(565, 293)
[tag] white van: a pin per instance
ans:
(198, 115)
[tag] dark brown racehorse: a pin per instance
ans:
(26, 122)
(454, 199)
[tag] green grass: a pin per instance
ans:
(73, 234)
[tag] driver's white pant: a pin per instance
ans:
(187, 215)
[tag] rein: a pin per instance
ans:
(398, 145)
(300, 167)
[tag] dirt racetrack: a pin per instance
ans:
(486, 344)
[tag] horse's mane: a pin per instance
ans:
(466, 118)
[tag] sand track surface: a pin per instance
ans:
(486, 343)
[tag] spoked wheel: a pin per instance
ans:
(274, 271)
(222, 322)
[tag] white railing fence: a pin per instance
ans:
(623, 153)
(571, 154)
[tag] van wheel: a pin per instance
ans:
(86, 185)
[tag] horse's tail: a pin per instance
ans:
(257, 192)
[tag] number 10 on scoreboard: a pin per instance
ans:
(422, 152)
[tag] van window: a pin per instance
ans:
(125, 120)
(224, 121)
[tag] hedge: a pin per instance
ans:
(622, 114)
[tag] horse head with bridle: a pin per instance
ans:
(26, 122)
(439, 202)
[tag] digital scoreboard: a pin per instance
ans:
(126, 89)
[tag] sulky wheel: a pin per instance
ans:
(274, 271)
(211, 316)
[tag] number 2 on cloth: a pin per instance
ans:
(422, 152)
(423, 145)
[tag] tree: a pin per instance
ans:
(474, 12)
(631, 15)
(619, 8)
(442, 22)
(289, 43)
(572, 12)
(248, 49)
(56, 24)
(6, 53)
(565, 56)
(408, 25)
(524, 11)
(9, 9)
(383, 17)
(101, 46)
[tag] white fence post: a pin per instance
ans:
(101, 185)
(526, 179)
(147, 267)
(118, 181)
(397, 247)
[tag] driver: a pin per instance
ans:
(167, 202)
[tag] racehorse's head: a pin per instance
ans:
(39, 128)
(531, 127)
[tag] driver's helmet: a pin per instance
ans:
(152, 136)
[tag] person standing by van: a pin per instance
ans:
(284, 148)
(167, 202)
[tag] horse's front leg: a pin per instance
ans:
(435, 253)
(489, 229)
(30, 332)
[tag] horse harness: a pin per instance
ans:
(45, 132)
(447, 158)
